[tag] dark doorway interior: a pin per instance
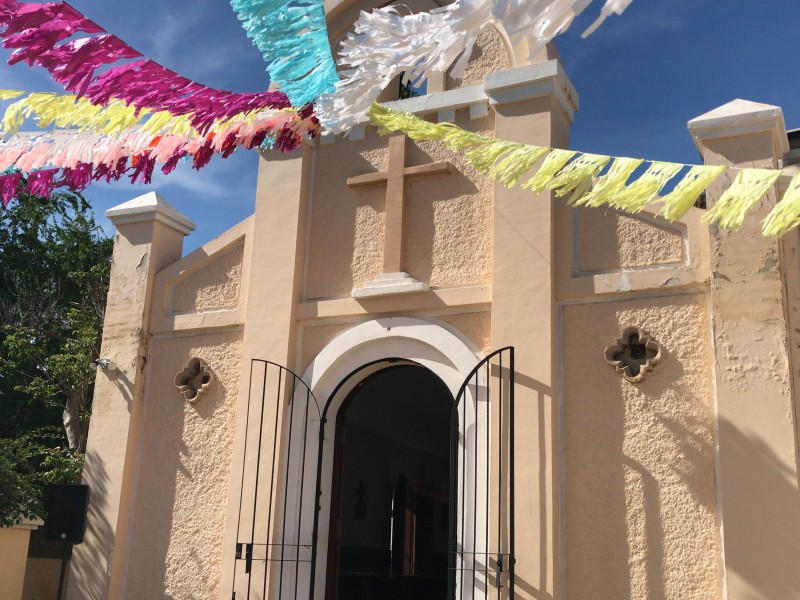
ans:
(389, 528)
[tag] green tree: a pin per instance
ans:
(55, 265)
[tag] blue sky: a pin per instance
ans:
(640, 77)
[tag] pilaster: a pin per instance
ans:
(271, 326)
(149, 237)
(757, 455)
(535, 105)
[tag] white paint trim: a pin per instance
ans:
(332, 375)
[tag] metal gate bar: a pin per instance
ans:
(491, 384)
(486, 396)
(270, 385)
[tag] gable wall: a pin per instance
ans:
(184, 454)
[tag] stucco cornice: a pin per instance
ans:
(546, 79)
(738, 118)
(150, 207)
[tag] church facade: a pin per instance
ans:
(398, 379)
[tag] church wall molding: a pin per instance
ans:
(437, 299)
(693, 272)
(530, 82)
(546, 79)
(165, 320)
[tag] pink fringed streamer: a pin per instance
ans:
(111, 172)
(33, 30)
(40, 183)
(39, 27)
(77, 178)
(143, 166)
(203, 156)
(146, 84)
(8, 187)
(172, 162)
(73, 64)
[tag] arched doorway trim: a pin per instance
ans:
(427, 343)
(332, 375)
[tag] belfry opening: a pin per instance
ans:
(390, 516)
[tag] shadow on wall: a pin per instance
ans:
(90, 565)
(640, 489)
(769, 489)
(531, 449)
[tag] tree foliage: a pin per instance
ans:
(54, 272)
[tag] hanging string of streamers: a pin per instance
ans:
(112, 141)
(126, 119)
(598, 180)
(292, 36)
(126, 112)
(383, 44)
(35, 33)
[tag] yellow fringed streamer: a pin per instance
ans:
(67, 112)
(678, 202)
(389, 120)
(508, 169)
(747, 190)
(9, 94)
(551, 165)
(785, 216)
(506, 162)
(484, 156)
(611, 183)
(417, 129)
(12, 118)
(637, 195)
(576, 177)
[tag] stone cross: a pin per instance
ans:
(394, 177)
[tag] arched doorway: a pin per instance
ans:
(390, 491)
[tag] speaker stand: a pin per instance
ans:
(64, 560)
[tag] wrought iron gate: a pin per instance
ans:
(481, 556)
(271, 548)
(279, 510)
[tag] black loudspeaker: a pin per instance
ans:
(67, 505)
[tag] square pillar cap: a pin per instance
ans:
(741, 117)
(150, 207)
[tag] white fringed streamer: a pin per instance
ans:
(611, 6)
(383, 44)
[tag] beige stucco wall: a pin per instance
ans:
(608, 239)
(216, 285)
(14, 556)
(475, 326)
(449, 218)
(184, 470)
(346, 229)
(41, 578)
(315, 338)
(489, 55)
(641, 506)
(448, 238)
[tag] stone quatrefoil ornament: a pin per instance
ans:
(194, 380)
(634, 354)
